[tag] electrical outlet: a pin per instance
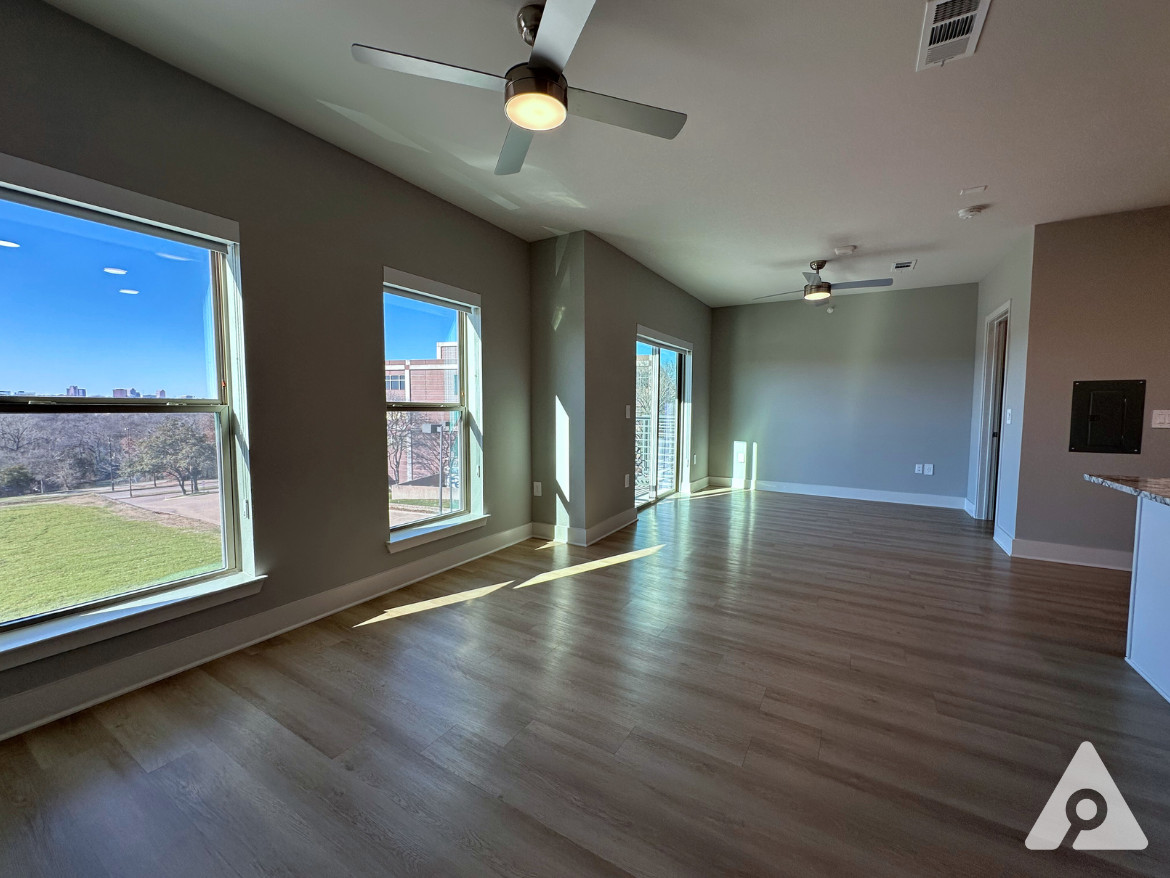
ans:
(917, 469)
(536, 489)
(740, 457)
(928, 469)
(627, 480)
(627, 413)
(695, 462)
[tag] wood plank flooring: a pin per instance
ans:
(742, 684)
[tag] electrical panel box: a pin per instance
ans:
(1107, 417)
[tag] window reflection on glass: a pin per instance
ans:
(422, 351)
(93, 310)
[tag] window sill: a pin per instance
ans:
(409, 538)
(34, 642)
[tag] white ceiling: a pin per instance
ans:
(808, 128)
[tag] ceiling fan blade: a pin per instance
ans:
(777, 295)
(560, 27)
(515, 149)
(400, 63)
(625, 114)
(858, 284)
(812, 278)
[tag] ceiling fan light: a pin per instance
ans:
(817, 292)
(535, 99)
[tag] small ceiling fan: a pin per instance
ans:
(818, 290)
(537, 97)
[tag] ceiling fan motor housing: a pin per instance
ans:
(523, 79)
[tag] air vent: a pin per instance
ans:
(909, 264)
(950, 30)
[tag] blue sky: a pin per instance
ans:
(413, 328)
(63, 319)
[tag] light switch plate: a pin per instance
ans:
(627, 480)
(536, 488)
(917, 469)
(627, 413)
(928, 469)
(1161, 419)
(1008, 416)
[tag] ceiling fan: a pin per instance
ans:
(537, 97)
(818, 290)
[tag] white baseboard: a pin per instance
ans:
(718, 482)
(35, 707)
(1082, 556)
(937, 500)
(579, 536)
(700, 485)
(969, 507)
(1003, 539)
(1146, 677)
(613, 523)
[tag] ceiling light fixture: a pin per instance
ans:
(972, 212)
(818, 291)
(536, 99)
(114, 270)
(9, 244)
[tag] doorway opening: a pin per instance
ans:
(994, 376)
(660, 425)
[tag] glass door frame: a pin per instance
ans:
(659, 342)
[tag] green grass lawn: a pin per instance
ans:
(56, 555)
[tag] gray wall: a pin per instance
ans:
(620, 294)
(558, 379)
(1100, 310)
(1010, 281)
(588, 299)
(851, 399)
(317, 225)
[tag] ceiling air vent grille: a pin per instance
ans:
(908, 265)
(950, 30)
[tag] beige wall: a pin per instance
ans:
(852, 399)
(1100, 310)
(317, 226)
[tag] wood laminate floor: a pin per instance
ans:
(742, 684)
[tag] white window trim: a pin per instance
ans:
(59, 634)
(405, 538)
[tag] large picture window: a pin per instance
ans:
(428, 375)
(116, 410)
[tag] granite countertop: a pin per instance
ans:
(1157, 490)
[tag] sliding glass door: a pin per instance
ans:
(659, 377)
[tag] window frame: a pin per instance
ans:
(472, 514)
(48, 189)
(460, 406)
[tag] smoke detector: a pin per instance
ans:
(972, 212)
(950, 31)
(846, 250)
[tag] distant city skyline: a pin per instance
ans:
(99, 307)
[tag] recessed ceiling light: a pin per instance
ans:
(8, 244)
(129, 292)
(114, 270)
